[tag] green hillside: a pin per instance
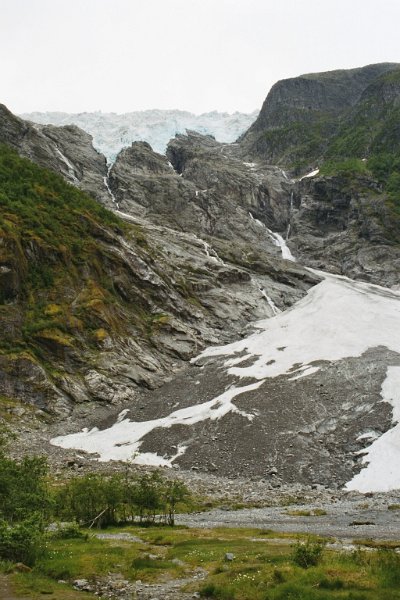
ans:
(329, 116)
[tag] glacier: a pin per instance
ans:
(111, 131)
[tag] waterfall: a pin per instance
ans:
(71, 170)
(106, 180)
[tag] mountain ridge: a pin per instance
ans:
(302, 115)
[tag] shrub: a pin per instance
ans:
(22, 542)
(307, 554)
(23, 489)
(90, 500)
(331, 584)
(102, 501)
(347, 168)
(69, 532)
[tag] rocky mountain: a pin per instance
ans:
(94, 307)
(217, 327)
(112, 132)
(307, 118)
(66, 150)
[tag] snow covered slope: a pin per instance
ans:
(338, 319)
(111, 132)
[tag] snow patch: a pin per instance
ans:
(382, 458)
(122, 440)
(338, 318)
(311, 174)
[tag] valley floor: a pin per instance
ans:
(182, 563)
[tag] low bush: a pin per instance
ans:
(307, 554)
(21, 542)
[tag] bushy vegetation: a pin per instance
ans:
(383, 168)
(308, 554)
(349, 167)
(45, 207)
(95, 500)
(25, 506)
(50, 235)
(29, 501)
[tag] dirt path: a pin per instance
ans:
(6, 593)
(169, 590)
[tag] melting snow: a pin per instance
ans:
(122, 441)
(311, 174)
(382, 458)
(338, 318)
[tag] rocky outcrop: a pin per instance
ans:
(203, 187)
(346, 227)
(65, 150)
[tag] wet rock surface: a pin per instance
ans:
(345, 229)
(66, 150)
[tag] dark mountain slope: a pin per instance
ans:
(302, 116)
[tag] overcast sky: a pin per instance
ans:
(197, 55)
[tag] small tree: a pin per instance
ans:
(92, 499)
(24, 505)
(174, 492)
(21, 542)
(146, 495)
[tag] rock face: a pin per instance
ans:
(66, 150)
(205, 188)
(346, 228)
(93, 310)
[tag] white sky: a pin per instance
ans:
(197, 55)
